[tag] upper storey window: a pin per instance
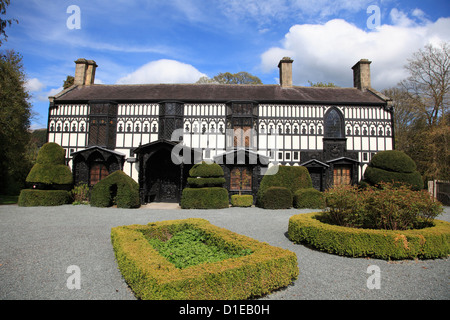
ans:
(242, 119)
(334, 124)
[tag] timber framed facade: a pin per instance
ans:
(334, 132)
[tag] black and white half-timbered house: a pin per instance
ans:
(156, 132)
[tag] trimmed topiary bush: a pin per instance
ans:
(204, 198)
(291, 177)
(50, 177)
(427, 243)
(393, 166)
(245, 200)
(36, 198)
(205, 188)
(309, 198)
(151, 276)
(117, 188)
(277, 198)
(50, 170)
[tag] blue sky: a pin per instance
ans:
(177, 41)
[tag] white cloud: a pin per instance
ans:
(163, 71)
(326, 52)
(34, 85)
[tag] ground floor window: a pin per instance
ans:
(97, 173)
(342, 175)
(241, 179)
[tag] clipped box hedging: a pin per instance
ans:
(426, 243)
(153, 277)
(36, 197)
(276, 198)
(244, 200)
(309, 198)
(204, 198)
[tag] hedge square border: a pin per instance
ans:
(427, 243)
(153, 277)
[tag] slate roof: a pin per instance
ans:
(218, 93)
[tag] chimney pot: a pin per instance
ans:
(285, 66)
(361, 74)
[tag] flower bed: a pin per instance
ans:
(427, 243)
(151, 276)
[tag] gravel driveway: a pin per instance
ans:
(38, 244)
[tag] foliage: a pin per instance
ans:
(70, 80)
(387, 207)
(151, 276)
(117, 188)
(309, 198)
(80, 194)
(422, 114)
(35, 197)
(231, 78)
(322, 84)
(4, 23)
(50, 168)
(204, 198)
(188, 248)
(15, 114)
(244, 200)
(206, 170)
(393, 166)
(291, 177)
(277, 198)
(205, 192)
(428, 243)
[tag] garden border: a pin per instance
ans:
(151, 276)
(427, 243)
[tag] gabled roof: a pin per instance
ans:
(218, 93)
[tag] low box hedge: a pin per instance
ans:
(204, 198)
(36, 198)
(426, 243)
(244, 200)
(276, 198)
(309, 198)
(153, 277)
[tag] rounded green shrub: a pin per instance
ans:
(393, 160)
(309, 198)
(393, 166)
(204, 198)
(206, 170)
(291, 177)
(205, 182)
(244, 200)
(36, 197)
(50, 170)
(117, 188)
(277, 198)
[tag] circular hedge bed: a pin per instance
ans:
(427, 243)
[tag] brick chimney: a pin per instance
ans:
(285, 66)
(361, 74)
(84, 72)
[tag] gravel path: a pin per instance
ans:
(38, 244)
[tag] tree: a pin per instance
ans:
(422, 117)
(322, 84)
(231, 78)
(4, 23)
(15, 114)
(68, 82)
